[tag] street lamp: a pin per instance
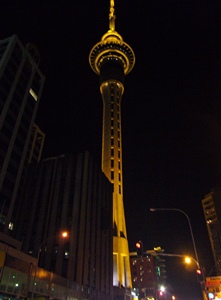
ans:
(191, 231)
(187, 259)
(64, 234)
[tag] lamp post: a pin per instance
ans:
(178, 255)
(199, 271)
(190, 226)
(64, 234)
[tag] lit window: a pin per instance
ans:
(10, 226)
(33, 94)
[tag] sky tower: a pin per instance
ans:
(112, 59)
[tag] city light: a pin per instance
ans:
(64, 234)
(139, 246)
(187, 260)
(162, 288)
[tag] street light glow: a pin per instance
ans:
(187, 260)
(162, 288)
(65, 234)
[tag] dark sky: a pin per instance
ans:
(171, 108)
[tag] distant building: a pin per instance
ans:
(212, 212)
(21, 84)
(69, 192)
(148, 274)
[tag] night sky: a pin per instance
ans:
(171, 109)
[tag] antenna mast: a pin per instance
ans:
(112, 16)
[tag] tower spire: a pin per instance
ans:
(112, 16)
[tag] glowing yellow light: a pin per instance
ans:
(138, 245)
(187, 260)
(64, 234)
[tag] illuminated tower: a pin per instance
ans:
(112, 59)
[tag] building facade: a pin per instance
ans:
(148, 274)
(70, 193)
(212, 212)
(21, 85)
(112, 59)
(21, 278)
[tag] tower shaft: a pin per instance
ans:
(112, 91)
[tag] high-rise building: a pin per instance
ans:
(21, 84)
(212, 212)
(112, 59)
(69, 192)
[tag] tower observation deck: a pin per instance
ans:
(112, 59)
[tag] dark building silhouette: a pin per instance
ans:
(212, 212)
(21, 84)
(69, 192)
